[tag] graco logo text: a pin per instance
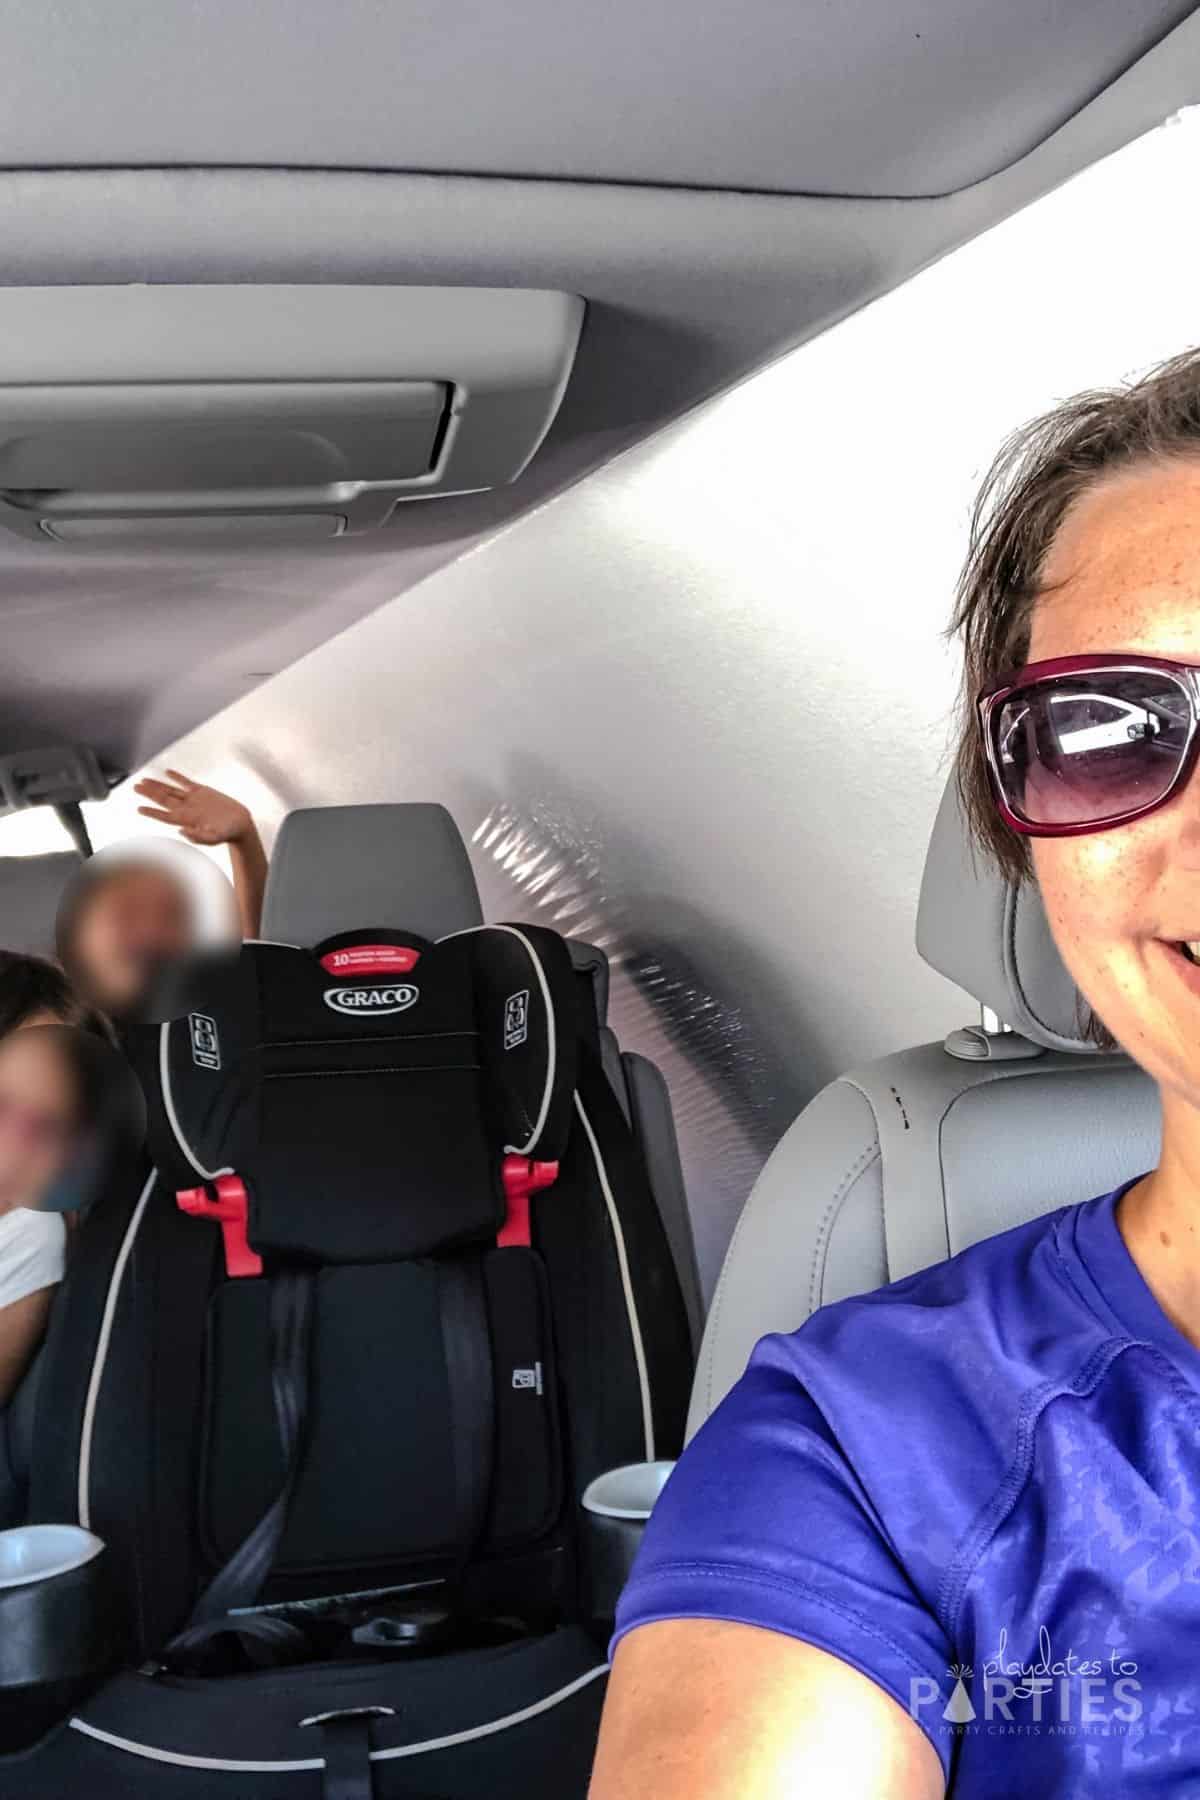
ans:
(397, 997)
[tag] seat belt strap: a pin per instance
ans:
(238, 1584)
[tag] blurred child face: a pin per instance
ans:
(137, 918)
(39, 1114)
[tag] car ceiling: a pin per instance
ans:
(719, 184)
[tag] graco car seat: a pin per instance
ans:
(914, 1157)
(330, 1380)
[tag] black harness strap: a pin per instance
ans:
(466, 1342)
(346, 1745)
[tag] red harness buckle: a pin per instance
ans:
(230, 1209)
(521, 1178)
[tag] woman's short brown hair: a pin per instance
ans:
(1038, 475)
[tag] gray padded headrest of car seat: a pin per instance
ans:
(993, 939)
(30, 890)
(335, 868)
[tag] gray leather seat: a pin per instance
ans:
(911, 1159)
(30, 890)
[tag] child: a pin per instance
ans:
(124, 916)
(42, 1107)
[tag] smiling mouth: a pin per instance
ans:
(1189, 949)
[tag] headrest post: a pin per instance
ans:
(991, 936)
(975, 1043)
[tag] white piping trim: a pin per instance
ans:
(493, 1725)
(635, 1329)
(101, 1356)
(246, 1767)
(551, 1043)
(225, 1764)
(551, 1029)
(164, 1081)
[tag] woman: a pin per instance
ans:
(41, 1100)
(946, 1537)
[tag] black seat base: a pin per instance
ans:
(482, 1722)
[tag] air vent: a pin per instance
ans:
(147, 410)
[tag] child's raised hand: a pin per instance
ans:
(203, 815)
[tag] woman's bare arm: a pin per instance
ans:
(21, 1326)
(702, 1710)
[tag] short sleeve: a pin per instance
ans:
(764, 1522)
(32, 1248)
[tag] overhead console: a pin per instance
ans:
(148, 413)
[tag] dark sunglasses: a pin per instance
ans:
(1083, 743)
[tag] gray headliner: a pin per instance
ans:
(688, 291)
(898, 97)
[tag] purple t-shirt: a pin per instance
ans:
(981, 1487)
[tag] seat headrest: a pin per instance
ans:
(334, 866)
(30, 890)
(992, 938)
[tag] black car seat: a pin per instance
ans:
(904, 1162)
(356, 1335)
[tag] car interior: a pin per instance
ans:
(468, 1186)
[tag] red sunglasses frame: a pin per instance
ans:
(1115, 663)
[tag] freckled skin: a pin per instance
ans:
(1124, 574)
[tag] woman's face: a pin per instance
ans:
(39, 1114)
(1121, 901)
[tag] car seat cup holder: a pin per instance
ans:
(62, 1626)
(616, 1506)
